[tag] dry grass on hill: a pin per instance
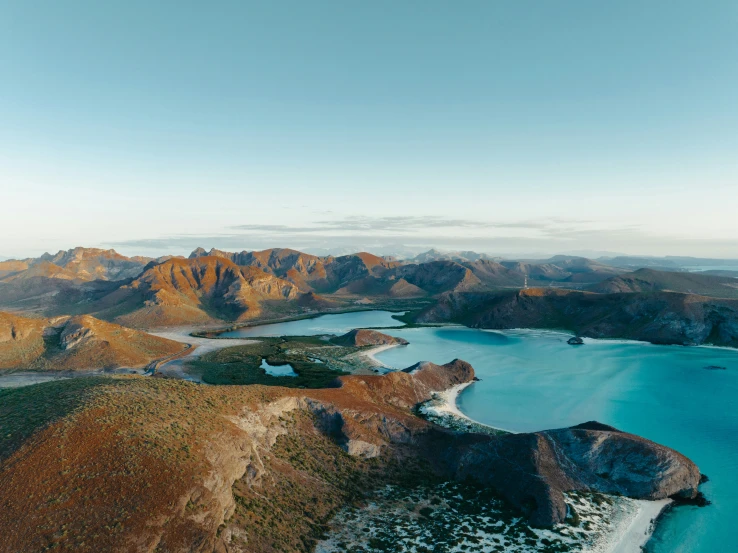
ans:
(143, 464)
(77, 343)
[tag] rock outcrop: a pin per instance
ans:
(534, 470)
(362, 337)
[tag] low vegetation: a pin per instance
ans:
(449, 517)
(316, 479)
(316, 362)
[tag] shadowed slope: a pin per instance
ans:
(649, 280)
(661, 317)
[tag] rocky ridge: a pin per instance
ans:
(659, 317)
(77, 344)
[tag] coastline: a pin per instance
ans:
(443, 409)
(640, 528)
(629, 538)
(371, 353)
(589, 340)
(216, 331)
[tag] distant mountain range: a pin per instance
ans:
(76, 264)
(216, 286)
(231, 286)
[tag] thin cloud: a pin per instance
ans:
(385, 235)
(412, 225)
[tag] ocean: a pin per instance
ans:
(533, 380)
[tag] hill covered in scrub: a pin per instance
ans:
(264, 469)
(77, 343)
(658, 317)
(363, 337)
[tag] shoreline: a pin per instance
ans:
(443, 409)
(218, 330)
(371, 353)
(631, 539)
(198, 346)
(641, 527)
(588, 339)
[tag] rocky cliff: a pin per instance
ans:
(661, 318)
(534, 470)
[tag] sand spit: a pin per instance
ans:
(199, 346)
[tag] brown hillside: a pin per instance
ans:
(45, 269)
(649, 280)
(21, 340)
(658, 317)
(12, 266)
(77, 343)
(197, 290)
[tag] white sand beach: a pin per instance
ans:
(371, 353)
(633, 536)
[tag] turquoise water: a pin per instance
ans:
(277, 370)
(532, 380)
(324, 324)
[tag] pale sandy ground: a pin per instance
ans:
(17, 380)
(175, 368)
(200, 346)
(639, 531)
(447, 404)
(371, 353)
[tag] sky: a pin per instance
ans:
(499, 126)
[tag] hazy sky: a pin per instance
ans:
(502, 126)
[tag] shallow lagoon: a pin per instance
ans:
(533, 380)
(324, 324)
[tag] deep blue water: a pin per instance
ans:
(532, 380)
